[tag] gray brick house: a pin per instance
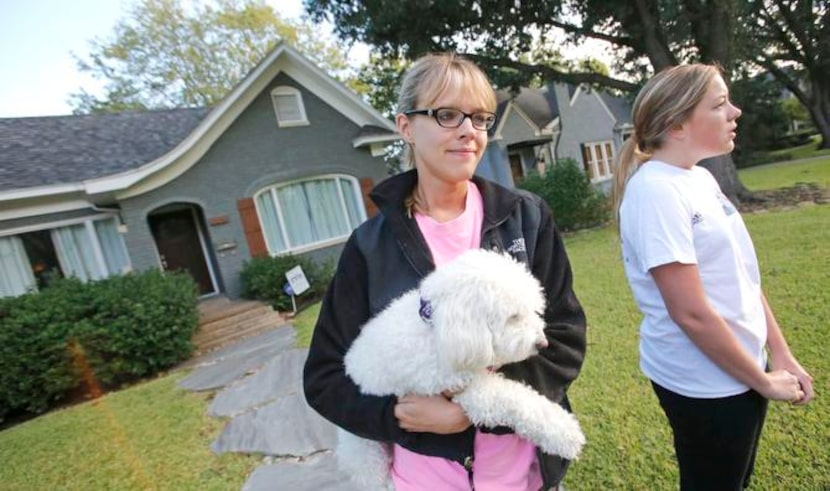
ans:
(538, 126)
(283, 164)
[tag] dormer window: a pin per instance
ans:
(288, 106)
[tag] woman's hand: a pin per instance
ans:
(432, 414)
(782, 385)
(805, 380)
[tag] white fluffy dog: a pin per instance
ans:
(468, 317)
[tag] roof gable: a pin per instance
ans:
(537, 104)
(170, 141)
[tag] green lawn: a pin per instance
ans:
(152, 436)
(801, 152)
(155, 436)
(629, 442)
(786, 174)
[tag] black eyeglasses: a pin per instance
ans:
(448, 117)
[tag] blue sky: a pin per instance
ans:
(37, 38)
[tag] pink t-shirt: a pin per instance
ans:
(500, 462)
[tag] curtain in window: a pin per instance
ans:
(270, 223)
(312, 211)
(75, 253)
(112, 246)
(16, 276)
(296, 215)
(352, 206)
(326, 209)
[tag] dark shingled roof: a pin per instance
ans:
(538, 104)
(619, 107)
(68, 149)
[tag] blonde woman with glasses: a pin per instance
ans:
(428, 216)
(691, 265)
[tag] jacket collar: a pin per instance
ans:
(389, 195)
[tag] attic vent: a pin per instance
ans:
(288, 106)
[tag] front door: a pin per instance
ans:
(180, 248)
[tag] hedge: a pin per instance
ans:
(263, 278)
(575, 202)
(92, 336)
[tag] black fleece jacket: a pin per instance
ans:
(387, 256)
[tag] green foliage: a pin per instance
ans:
(263, 279)
(378, 80)
(164, 54)
(575, 202)
(762, 120)
(99, 334)
(794, 110)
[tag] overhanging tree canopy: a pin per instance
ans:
(645, 35)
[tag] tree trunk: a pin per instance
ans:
(723, 168)
(819, 108)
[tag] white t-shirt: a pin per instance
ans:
(670, 214)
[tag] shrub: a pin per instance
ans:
(263, 278)
(575, 202)
(102, 333)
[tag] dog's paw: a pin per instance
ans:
(564, 438)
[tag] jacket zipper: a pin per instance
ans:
(468, 466)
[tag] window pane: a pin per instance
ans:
(326, 210)
(296, 214)
(16, 276)
(609, 158)
(288, 107)
(75, 252)
(588, 160)
(350, 197)
(111, 246)
(43, 258)
(267, 210)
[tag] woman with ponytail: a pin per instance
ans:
(707, 328)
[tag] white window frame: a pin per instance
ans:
(290, 249)
(89, 227)
(601, 166)
(283, 91)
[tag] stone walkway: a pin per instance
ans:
(259, 384)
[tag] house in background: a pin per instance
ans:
(282, 165)
(538, 126)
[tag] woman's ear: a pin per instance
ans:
(677, 132)
(404, 127)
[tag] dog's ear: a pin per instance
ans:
(464, 342)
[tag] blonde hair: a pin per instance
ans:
(428, 79)
(666, 101)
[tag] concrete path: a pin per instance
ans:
(259, 389)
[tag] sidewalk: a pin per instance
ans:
(260, 390)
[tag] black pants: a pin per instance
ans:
(715, 439)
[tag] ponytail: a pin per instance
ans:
(627, 163)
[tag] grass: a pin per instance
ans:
(152, 436)
(786, 174)
(156, 436)
(304, 324)
(805, 151)
(629, 439)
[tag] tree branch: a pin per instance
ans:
(573, 29)
(548, 73)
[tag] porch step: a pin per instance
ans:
(223, 321)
